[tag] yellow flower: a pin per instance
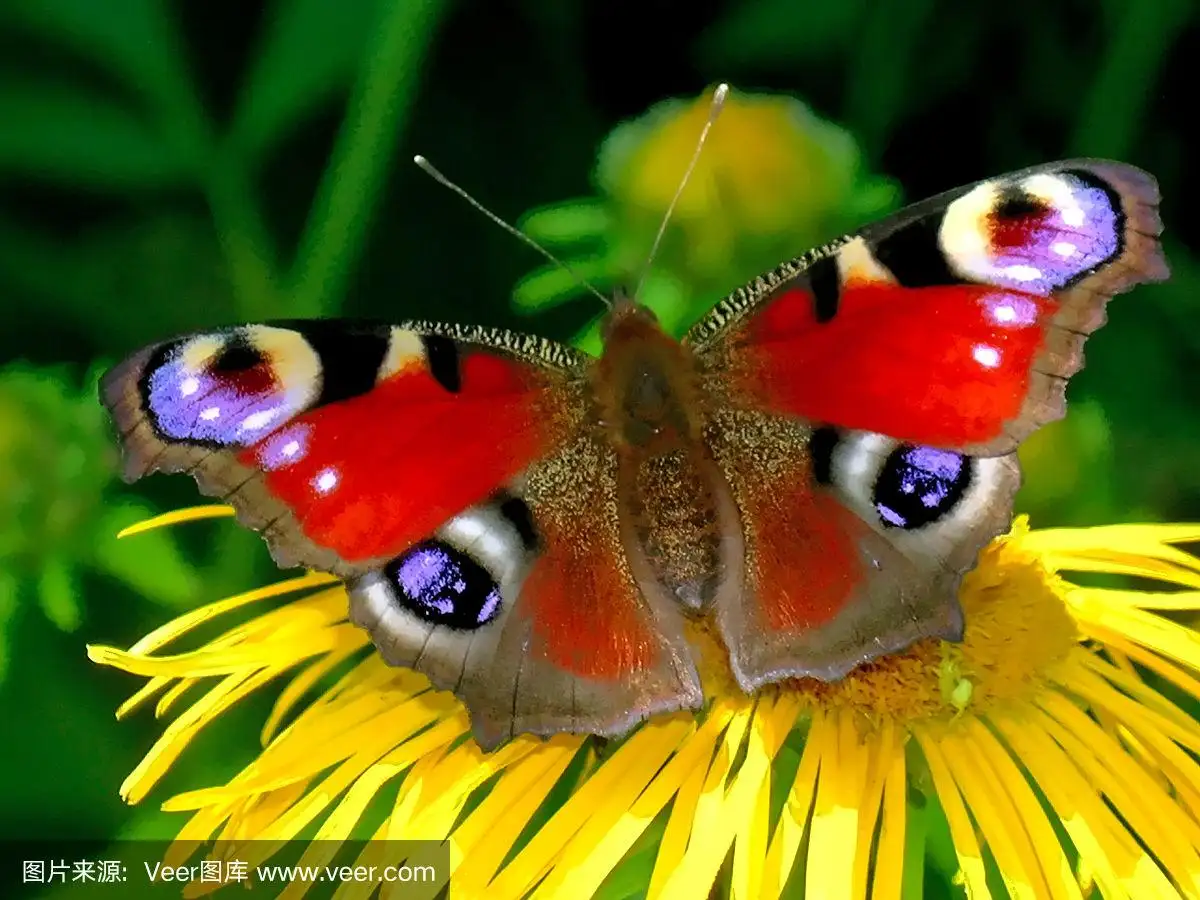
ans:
(1046, 738)
(774, 180)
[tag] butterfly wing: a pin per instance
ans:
(892, 374)
(427, 465)
(954, 323)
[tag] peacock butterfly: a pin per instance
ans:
(810, 470)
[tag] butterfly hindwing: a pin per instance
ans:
(446, 474)
(527, 608)
(854, 543)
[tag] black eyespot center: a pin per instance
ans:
(443, 585)
(237, 355)
(1015, 204)
(919, 485)
(820, 449)
(518, 514)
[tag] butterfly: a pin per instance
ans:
(807, 474)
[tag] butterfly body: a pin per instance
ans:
(809, 471)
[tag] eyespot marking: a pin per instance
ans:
(919, 485)
(443, 585)
(826, 288)
(518, 514)
(915, 256)
(229, 388)
(820, 448)
(1038, 234)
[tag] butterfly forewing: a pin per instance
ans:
(954, 323)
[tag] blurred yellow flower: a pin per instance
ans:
(773, 181)
(770, 168)
(1045, 721)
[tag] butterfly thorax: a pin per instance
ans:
(650, 407)
(645, 384)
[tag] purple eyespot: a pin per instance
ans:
(444, 586)
(222, 389)
(918, 485)
(1043, 233)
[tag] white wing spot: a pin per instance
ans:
(988, 357)
(261, 419)
(210, 414)
(1064, 248)
(1022, 272)
(189, 386)
(326, 481)
(1004, 313)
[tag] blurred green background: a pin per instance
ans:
(168, 166)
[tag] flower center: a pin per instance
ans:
(1018, 629)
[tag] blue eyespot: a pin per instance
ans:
(444, 586)
(919, 485)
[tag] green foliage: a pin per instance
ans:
(168, 166)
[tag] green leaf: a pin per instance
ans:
(84, 139)
(780, 32)
(874, 197)
(589, 339)
(553, 285)
(149, 562)
(135, 39)
(8, 608)
(569, 222)
(309, 54)
(376, 114)
(58, 594)
(912, 884)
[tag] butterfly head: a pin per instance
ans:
(626, 318)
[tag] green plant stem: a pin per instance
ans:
(223, 178)
(333, 236)
(245, 242)
(880, 71)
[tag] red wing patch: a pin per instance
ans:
(946, 366)
(370, 475)
(585, 613)
(805, 562)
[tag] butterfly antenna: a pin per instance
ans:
(427, 167)
(714, 110)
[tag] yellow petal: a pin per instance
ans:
(996, 764)
(619, 779)
(889, 854)
(962, 832)
(596, 848)
(794, 819)
(176, 517)
(488, 833)
(833, 839)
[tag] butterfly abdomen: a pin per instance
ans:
(678, 524)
